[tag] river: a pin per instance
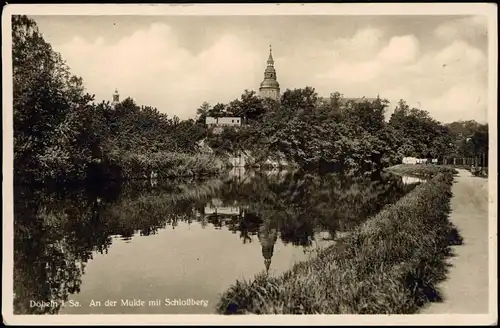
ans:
(172, 247)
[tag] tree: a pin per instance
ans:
(480, 144)
(469, 138)
(249, 106)
(421, 135)
(299, 99)
(202, 112)
(367, 115)
(270, 105)
(52, 135)
(219, 110)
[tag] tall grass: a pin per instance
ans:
(388, 265)
(169, 164)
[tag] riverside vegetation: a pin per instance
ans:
(388, 265)
(62, 134)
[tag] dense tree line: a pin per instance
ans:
(470, 140)
(50, 108)
(336, 132)
(61, 133)
(421, 136)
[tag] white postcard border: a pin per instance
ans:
(245, 9)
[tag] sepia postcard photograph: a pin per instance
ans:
(285, 164)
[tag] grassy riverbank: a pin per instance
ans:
(389, 265)
(169, 164)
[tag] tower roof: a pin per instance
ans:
(270, 60)
(269, 83)
(270, 87)
(267, 238)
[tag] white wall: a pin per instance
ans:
(225, 121)
(414, 160)
(269, 93)
(210, 120)
(229, 121)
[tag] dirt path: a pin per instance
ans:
(466, 289)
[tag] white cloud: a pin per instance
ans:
(348, 72)
(460, 55)
(364, 39)
(464, 28)
(450, 83)
(461, 101)
(152, 67)
(400, 50)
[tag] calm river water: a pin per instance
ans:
(170, 247)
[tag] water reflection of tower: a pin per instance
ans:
(267, 238)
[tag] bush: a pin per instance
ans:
(168, 164)
(389, 265)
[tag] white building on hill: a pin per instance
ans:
(223, 121)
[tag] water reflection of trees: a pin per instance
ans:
(302, 205)
(57, 231)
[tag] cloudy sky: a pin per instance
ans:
(437, 63)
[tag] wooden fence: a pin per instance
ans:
(465, 161)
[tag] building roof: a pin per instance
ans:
(343, 101)
(224, 117)
(230, 117)
(270, 60)
(269, 83)
(358, 100)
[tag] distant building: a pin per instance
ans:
(229, 121)
(222, 121)
(414, 160)
(210, 121)
(116, 98)
(344, 101)
(270, 88)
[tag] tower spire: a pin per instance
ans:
(270, 88)
(270, 60)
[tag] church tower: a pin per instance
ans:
(116, 98)
(270, 88)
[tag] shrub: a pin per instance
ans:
(168, 164)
